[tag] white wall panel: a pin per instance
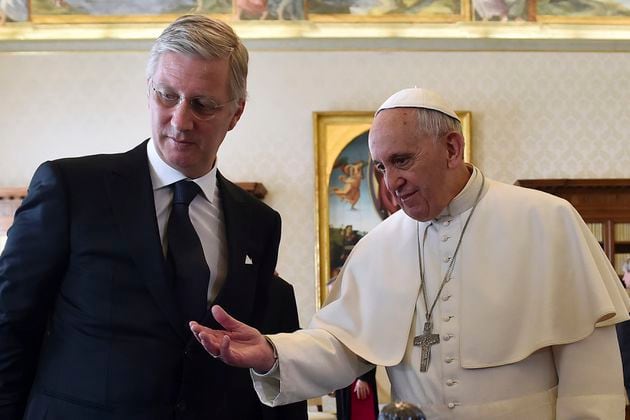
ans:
(535, 115)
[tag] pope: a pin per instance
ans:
(482, 299)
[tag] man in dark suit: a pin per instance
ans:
(93, 305)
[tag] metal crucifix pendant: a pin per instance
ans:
(425, 341)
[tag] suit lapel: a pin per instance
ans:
(131, 195)
(239, 290)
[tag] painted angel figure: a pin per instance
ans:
(351, 178)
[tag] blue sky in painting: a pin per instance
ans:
(364, 217)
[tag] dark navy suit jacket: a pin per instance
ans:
(89, 328)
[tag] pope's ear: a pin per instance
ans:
(455, 148)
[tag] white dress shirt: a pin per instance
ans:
(206, 215)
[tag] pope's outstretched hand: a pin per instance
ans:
(238, 345)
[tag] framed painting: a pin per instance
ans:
(388, 10)
(350, 200)
(13, 11)
(136, 11)
(503, 10)
(583, 12)
(302, 17)
(152, 11)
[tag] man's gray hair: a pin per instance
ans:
(436, 124)
(200, 36)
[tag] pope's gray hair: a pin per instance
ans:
(436, 124)
(201, 36)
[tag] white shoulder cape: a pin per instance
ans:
(532, 276)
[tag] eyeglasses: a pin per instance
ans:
(202, 108)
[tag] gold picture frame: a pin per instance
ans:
(336, 133)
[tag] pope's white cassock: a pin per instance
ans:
(526, 320)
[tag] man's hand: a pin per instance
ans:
(238, 345)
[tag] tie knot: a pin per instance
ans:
(184, 191)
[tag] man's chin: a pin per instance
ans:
(415, 215)
(179, 162)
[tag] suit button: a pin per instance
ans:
(181, 406)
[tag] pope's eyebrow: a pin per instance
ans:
(399, 156)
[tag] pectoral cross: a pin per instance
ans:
(425, 341)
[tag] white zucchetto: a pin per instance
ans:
(418, 98)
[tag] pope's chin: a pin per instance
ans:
(414, 212)
(420, 217)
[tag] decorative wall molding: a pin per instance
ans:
(304, 35)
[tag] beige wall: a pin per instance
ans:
(535, 115)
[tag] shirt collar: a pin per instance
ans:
(162, 175)
(466, 197)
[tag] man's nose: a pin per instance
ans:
(393, 180)
(182, 117)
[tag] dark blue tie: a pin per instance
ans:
(185, 256)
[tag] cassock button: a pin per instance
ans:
(450, 382)
(446, 259)
(447, 318)
(446, 297)
(451, 405)
(444, 238)
(448, 360)
(447, 337)
(446, 223)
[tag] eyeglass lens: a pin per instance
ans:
(201, 107)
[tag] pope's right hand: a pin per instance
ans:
(238, 345)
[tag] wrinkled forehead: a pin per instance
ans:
(392, 128)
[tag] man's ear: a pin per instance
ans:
(455, 149)
(237, 114)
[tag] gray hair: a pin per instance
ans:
(200, 36)
(436, 124)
